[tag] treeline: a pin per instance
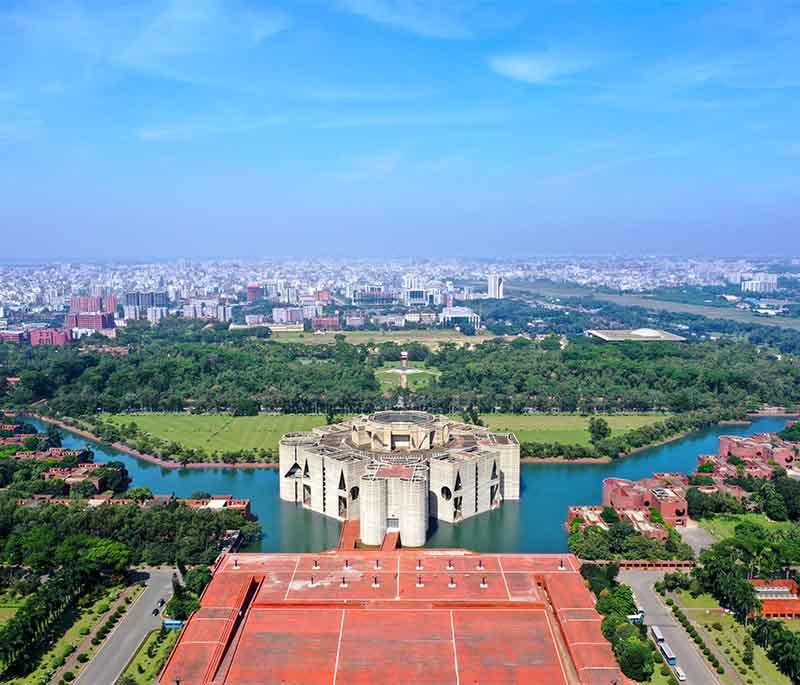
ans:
(623, 541)
(754, 551)
(777, 498)
(155, 534)
(615, 603)
(634, 439)
(571, 316)
(79, 564)
(247, 375)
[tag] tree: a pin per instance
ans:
(635, 659)
(609, 515)
(599, 429)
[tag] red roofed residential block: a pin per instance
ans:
(779, 598)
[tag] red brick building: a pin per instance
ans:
(50, 336)
(85, 303)
(664, 492)
(325, 323)
(254, 293)
(91, 320)
(16, 337)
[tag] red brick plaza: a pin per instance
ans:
(404, 616)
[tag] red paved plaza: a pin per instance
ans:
(410, 616)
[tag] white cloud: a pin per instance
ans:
(199, 27)
(449, 19)
(478, 117)
(207, 128)
(539, 68)
(371, 167)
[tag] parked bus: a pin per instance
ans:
(669, 656)
(658, 636)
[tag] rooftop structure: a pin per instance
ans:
(664, 493)
(756, 456)
(214, 503)
(635, 335)
(432, 616)
(393, 470)
(779, 598)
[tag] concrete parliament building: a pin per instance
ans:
(393, 470)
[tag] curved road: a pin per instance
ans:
(114, 654)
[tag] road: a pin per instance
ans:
(689, 658)
(133, 627)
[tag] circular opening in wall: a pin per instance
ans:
(446, 493)
(354, 493)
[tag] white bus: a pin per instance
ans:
(669, 655)
(658, 636)
(680, 675)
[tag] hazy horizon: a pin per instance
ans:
(189, 128)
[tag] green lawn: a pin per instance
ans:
(221, 432)
(432, 338)
(419, 380)
(730, 640)
(144, 668)
(6, 614)
(80, 622)
(723, 525)
(571, 429)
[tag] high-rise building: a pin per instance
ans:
(495, 282)
(254, 293)
(287, 315)
(760, 283)
(94, 321)
(86, 303)
(146, 299)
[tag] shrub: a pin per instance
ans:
(716, 625)
(69, 676)
(720, 670)
(665, 670)
(83, 657)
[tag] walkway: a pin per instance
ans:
(657, 613)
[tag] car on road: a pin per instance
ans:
(155, 611)
(161, 602)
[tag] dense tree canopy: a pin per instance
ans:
(244, 375)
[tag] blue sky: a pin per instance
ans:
(398, 127)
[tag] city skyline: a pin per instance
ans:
(380, 127)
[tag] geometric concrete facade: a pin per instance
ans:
(392, 470)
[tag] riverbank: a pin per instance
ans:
(534, 523)
(151, 458)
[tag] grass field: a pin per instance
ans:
(568, 429)
(419, 380)
(432, 338)
(628, 300)
(730, 640)
(6, 614)
(723, 525)
(221, 432)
